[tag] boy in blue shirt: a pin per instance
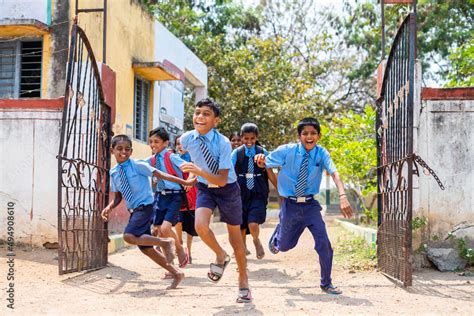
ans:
(299, 179)
(217, 186)
(168, 195)
(130, 180)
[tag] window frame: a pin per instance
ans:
(17, 47)
(140, 130)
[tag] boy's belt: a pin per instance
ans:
(250, 175)
(302, 199)
(138, 208)
(164, 192)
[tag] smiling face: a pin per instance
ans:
(179, 148)
(122, 151)
(204, 119)
(236, 141)
(309, 137)
(249, 139)
(157, 144)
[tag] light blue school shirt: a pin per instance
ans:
(249, 152)
(176, 162)
(289, 157)
(138, 174)
(186, 157)
(219, 147)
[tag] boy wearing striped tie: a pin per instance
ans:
(130, 180)
(299, 179)
(217, 186)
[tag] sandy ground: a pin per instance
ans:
(286, 283)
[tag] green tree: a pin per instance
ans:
(462, 72)
(442, 26)
(350, 139)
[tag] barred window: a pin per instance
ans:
(20, 69)
(141, 106)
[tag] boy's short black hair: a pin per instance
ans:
(120, 138)
(210, 103)
(234, 134)
(308, 121)
(161, 132)
(249, 128)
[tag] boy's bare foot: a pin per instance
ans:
(183, 258)
(259, 249)
(169, 250)
(178, 277)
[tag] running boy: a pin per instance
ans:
(217, 186)
(130, 180)
(299, 179)
(253, 182)
(168, 195)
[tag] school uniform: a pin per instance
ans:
(212, 152)
(132, 179)
(253, 182)
(168, 195)
(298, 181)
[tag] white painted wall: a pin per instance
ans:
(28, 176)
(24, 9)
(446, 143)
(169, 47)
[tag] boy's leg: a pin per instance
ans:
(167, 231)
(203, 220)
(179, 231)
(291, 226)
(189, 243)
(235, 239)
(255, 232)
(158, 258)
(322, 245)
(167, 244)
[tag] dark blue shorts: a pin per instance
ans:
(139, 222)
(167, 208)
(254, 210)
(227, 198)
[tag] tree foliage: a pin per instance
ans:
(442, 26)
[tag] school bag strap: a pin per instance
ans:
(170, 170)
(241, 157)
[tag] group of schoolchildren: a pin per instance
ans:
(206, 173)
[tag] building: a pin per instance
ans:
(144, 72)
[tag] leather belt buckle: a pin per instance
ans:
(249, 175)
(212, 186)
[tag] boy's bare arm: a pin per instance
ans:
(272, 177)
(168, 177)
(116, 201)
(219, 179)
(344, 202)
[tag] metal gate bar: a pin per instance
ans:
(83, 162)
(395, 156)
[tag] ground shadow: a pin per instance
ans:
(238, 308)
(39, 255)
(323, 297)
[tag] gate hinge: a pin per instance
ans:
(417, 160)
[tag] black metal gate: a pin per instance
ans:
(395, 156)
(83, 162)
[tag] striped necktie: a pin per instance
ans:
(210, 161)
(302, 176)
(125, 186)
(160, 184)
(250, 171)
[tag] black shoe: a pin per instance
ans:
(331, 289)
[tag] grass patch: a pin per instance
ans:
(353, 252)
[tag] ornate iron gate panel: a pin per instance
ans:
(395, 157)
(83, 162)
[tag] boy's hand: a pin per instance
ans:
(260, 160)
(345, 207)
(105, 213)
(191, 168)
(189, 183)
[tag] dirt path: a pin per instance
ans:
(286, 283)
